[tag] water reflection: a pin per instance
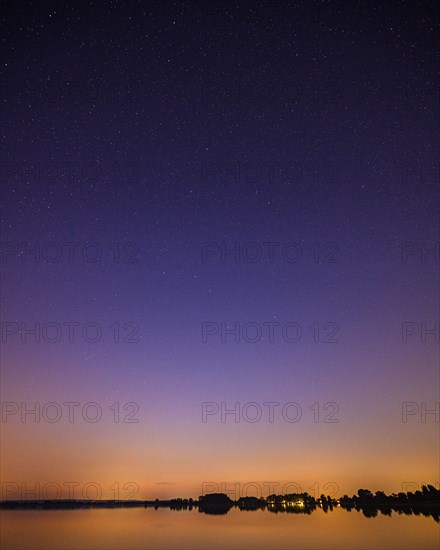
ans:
(425, 503)
(219, 504)
(271, 528)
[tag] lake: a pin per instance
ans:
(165, 529)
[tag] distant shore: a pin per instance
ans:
(425, 502)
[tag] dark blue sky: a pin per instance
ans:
(169, 125)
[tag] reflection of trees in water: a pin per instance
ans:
(420, 503)
(425, 502)
(215, 504)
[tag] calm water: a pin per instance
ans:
(140, 528)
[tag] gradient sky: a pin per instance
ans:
(170, 125)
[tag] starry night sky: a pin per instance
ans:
(162, 126)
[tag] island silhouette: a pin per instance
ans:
(425, 502)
